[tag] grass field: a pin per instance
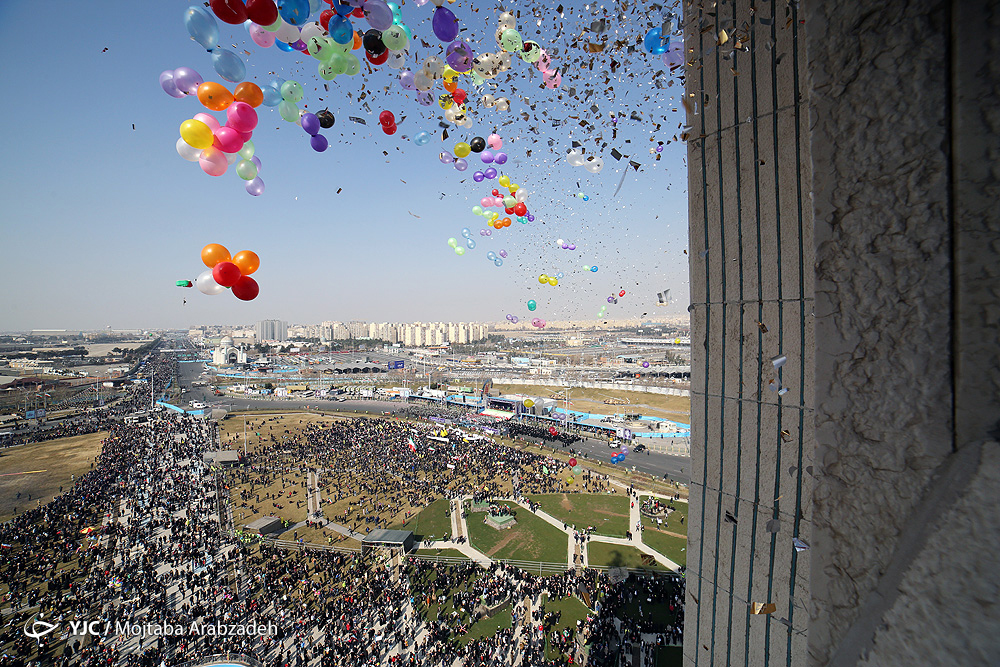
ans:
(675, 408)
(57, 460)
(617, 555)
(531, 539)
(432, 522)
(448, 553)
(488, 627)
(607, 513)
(672, 524)
(571, 610)
(674, 548)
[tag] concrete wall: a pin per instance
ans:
(843, 181)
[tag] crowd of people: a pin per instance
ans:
(147, 538)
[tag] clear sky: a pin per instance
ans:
(101, 216)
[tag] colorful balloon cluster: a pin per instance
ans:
(311, 124)
(619, 456)
(590, 268)
(498, 260)
(670, 50)
(576, 468)
(203, 140)
(580, 195)
(575, 157)
(201, 25)
(546, 279)
(225, 271)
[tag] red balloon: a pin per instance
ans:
(496, 193)
(622, 293)
(358, 13)
(226, 274)
(508, 210)
(233, 12)
(389, 129)
(572, 462)
(386, 118)
(379, 59)
(520, 208)
(324, 18)
(459, 95)
(262, 12)
(246, 289)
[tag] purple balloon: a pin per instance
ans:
(461, 164)
(256, 161)
(531, 218)
(318, 143)
(489, 232)
(298, 45)
(378, 14)
(425, 98)
(310, 123)
(445, 24)
(445, 157)
(255, 187)
(478, 177)
(513, 318)
(610, 299)
(486, 156)
(459, 56)
(406, 80)
(500, 158)
(572, 246)
(503, 253)
(168, 85)
(187, 80)
(490, 173)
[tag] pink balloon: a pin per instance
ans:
(246, 136)
(227, 140)
(486, 201)
(494, 141)
(241, 117)
(543, 62)
(209, 120)
(260, 36)
(213, 161)
(552, 78)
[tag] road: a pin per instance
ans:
(676, 468)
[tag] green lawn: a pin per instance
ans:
(488, 627)
(572, 610)
(607, 513)
(531, 539)
(432, 522)
(449, 553)
(673, 522)
(672, 547)
(617, 555)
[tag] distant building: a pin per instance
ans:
(227, 354)
(276, 330)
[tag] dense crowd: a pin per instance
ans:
(145, 538)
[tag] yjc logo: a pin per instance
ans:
(36, 628)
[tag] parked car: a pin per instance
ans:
(639, 448)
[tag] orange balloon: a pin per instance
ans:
(214, 253)
(250, 93)
(247, 261)
(215, 96)
(506, 222)
(450, 86)
(357, 41)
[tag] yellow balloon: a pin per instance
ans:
(462, 149)
(528, 403)
(504, 181)
(196, 134)
(514, 187)
(449, 74)
(553, 281)
(445, 101)
(543, 279)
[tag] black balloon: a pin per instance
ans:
(372, 41)
(326, 118)
(478, 144)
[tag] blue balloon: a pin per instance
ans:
(201, 25)
(654, 41)
(341, 30)
(593, 269)
(272, 93)
(422, 138)
(228, 65)
(471, 244)
(342, 9)
(284, 46)
(498, 261)
(295, 12)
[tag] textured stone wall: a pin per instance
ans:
(752, 299)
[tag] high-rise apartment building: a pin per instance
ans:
(276, 330)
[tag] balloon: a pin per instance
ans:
(197, 134)
(213, 161)
(378, 14)
(530, 52)
(461, 165)
(284, 46)
(256, 186)
(478, 177)
(459, 56)
(422, 138)
(168, 85)
(645, 364)
(445, 157)
(532, 305)
(471, 244)
(261, 37)
(372, 41)
(246, 170)
(186, 80)
(227, 140)
(594, 269)
(490, 173)
(462, 149)
(262, 12)
(241, 117)
(453, 242)
(543, 279)
(288, 111)
(202, 27)
(478, 145)
(206, 284)
(214, 253)
(246, 289)
(386, 117)
(291, 91)
(226, 273)
(187, 151)
(389, 129)
(233, 12)
(295, 12)
(341, 30)
(326, 118)
(214, 96)
(572, 462)
(460, 251)
(272, 96)
(395, 38)
(594, 166)
(445, 24)
(249, 93)
(553, 281)
(653, 41)
(310, 123)
(510, 41)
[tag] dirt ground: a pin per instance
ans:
(676, 408)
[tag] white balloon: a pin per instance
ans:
(232, 158)
(434, 67)
(503, 104)
(422, 82)
(520, 196)
(574, 158)
(287, 33)
(396, 59)
(449, 114)
(595, 165)
(312, 29)
(507, 21)
(187, 152)
(206, 284)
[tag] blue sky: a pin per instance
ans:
(100, 219)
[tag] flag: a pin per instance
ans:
(412, 445)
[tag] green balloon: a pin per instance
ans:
(288, 111)
(453, 242)
(532, 305)
(530, 52)
(395, 38)
(459, 250)
(338, 63)
(319, 47)
(476, 79)
(246, 170)
(326, 72)
(292, 91)
(274, 26)
(247, 151)
(509, 201)
(511, 41)
(353, 65)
